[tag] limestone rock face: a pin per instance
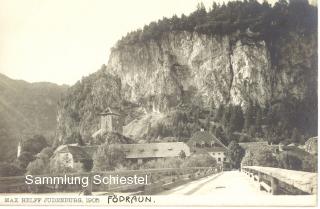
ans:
(184, 67)
(189, 66)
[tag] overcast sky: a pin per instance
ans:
(62, 40)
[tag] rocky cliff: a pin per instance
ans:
(189, 67)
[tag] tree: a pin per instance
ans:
(207, 123)
(249, 116)
(227, 115)
(55, 165)
(87, 165)
(74, 137)
(310, 163)
(182, 154)
(219, 133)
(41, 165)
(24, 159)
(236, 119)
(34, 144)
(47, 151)
(235, 153)
(200, 160)
(219, 113)
(258, 121)
(248, 159)
(290, 161)
(38, 166)
(296, 136)
(107, 158)
(266, 158)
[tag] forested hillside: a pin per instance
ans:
(26, 109)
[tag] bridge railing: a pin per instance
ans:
(158, 179)
(277, 180)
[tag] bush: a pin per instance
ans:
(290, 161)
(38, 166)
(24, 159)
(163, 163)
(47, 151)
(107, 158)
(55, 166)
(200, 160)
(266, 158)
(310, 164)
(34, 145)
(235, 154)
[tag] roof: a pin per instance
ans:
(216, 149)
(205, 136)
(111, 111)
(256, 147)
(153, 150)
(77, 152)
(253, 145)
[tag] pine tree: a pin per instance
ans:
(219, 113)
(226, 116)
(296, 136)
(249, 116)
(207, 123)
(235, 154)
(236, 119)
(258, 121)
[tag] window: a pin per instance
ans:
(219, 159)
(224, 159)
(170, 149)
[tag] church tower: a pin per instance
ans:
(111, 121)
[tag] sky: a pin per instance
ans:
(61, 41)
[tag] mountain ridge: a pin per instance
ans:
(26, 109)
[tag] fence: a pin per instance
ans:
(277, 180)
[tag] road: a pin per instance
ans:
(233, 188)
(226, 183)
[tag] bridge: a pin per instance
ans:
(253, 185)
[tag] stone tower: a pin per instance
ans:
(111, 121)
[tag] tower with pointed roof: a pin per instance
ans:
(111, 121)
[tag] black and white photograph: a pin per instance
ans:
(195, 103)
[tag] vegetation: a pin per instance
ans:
(247, 17)
(235, 154)
(75, 137)
(29, 109)
(41, 165)
(287, 120)
(24, 159)
(200, 160)
(162, 163)
(107, 158)
(30, 148)
(292, 160)
(34, 144)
